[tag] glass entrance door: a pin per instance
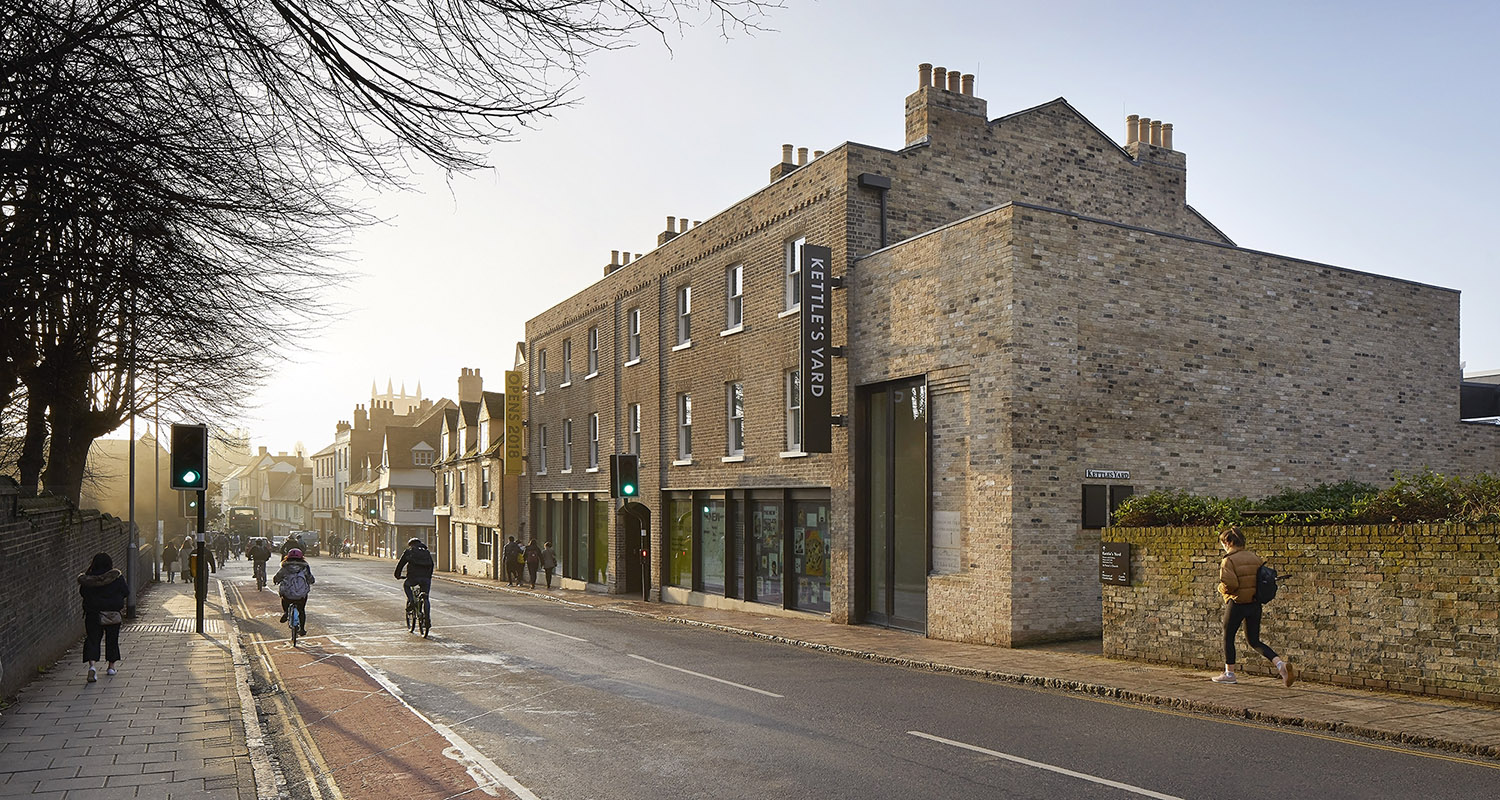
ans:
(897, 545)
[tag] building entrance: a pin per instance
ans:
(896, 539)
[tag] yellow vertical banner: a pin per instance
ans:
(514, 442)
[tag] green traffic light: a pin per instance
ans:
(628, 490)
(190, 476)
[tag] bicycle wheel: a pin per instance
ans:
(426, 614)
(294, 618)
(411, 617)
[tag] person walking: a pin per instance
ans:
(549, 562)
(169, 559)
(185, 559)
(104, 592)
(1237, 589)
(533, 556)
(509, 555)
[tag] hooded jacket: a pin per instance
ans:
(104, 592)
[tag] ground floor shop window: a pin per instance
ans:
(578, 527)
(744, 544)
(679, 524)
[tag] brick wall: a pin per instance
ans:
(44, 545)
(1405, 607)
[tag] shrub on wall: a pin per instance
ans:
(1427, 497)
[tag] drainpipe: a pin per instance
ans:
(881, 184)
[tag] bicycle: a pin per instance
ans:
(260, 576)
(418, 613)
(294, 619)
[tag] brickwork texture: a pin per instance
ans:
(1414, 608)
(44, 545)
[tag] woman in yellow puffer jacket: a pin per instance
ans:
(1237, 588)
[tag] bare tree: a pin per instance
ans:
(172, 174)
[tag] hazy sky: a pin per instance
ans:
(1360, 135)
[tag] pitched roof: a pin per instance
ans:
(399, 442)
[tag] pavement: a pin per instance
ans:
(179, 719)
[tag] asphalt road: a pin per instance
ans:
(566, 701)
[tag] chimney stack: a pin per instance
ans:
(786, 167)
(470, 385)
(951, 107)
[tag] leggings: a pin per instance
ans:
(1248, 613)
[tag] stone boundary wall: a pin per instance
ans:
(44, 544)
(1413, 608)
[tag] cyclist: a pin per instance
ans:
(417, 561)
(295, 579)
(259, 552)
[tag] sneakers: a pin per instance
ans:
(93, 676)
(283, 616)
(1224, 677)
(301, 631)
(1288, 673)
(110, 671)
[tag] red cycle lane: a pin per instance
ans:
(367, 738)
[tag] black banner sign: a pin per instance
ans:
(1114, 562)
(816, 363)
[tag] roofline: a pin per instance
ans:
(1167, 234)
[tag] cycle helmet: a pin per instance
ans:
(294, 553)
(413, 540)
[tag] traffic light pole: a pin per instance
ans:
(200, 578)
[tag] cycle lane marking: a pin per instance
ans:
(1048, 767)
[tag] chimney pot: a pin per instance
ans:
(817, 154)
(627, 259)
(697, 222)
(671, 223)
(637, 256)
(1166, 135)
(614, 258)
(682, 224)
(955, 81)
(940, 77)
(786, 154)
(1156, 132)
(969, 84)
(1143, 130)
(802, 156)
(1132, 128)
(924, 75)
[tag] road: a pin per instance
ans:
(531, 697)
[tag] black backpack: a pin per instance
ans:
(1265, 584)
(419, 557)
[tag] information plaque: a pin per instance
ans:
(1114, 563)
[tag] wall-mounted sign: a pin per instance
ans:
(815, 363)
(1108, 474)
(1114, 563)
(515, 443)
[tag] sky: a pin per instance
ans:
(1356, 134)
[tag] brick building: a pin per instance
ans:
(1033, 324)
(477, 503)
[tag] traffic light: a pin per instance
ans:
(189, 457)
(189, 504)
(624, 475)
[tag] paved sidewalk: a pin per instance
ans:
(170, 724)
(1456, 726)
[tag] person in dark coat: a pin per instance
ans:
(549, 562)
(510, 558)
(169, 559)
(533, 555)
(103, 590)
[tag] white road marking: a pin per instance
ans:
(545, 630)
(1050, 768)
(484, 771)
(706, 677)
